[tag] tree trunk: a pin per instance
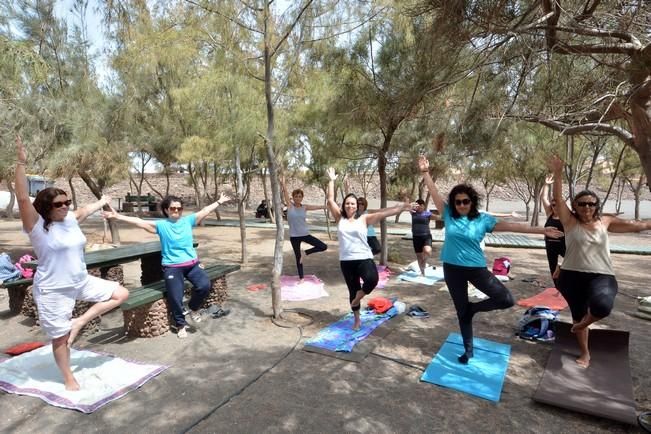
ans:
(9, 210)
(96, 190)
(73, 193)
(382, 171)
(240, 203)
(640, 120)
(276, 301)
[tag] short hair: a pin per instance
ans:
(43, 203)
(420, 202)
(165, 204)
(343, 205)
(297, 191)
(474, 200)
(597, 209)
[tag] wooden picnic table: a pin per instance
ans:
(148, 253)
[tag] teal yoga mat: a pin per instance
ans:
(483, 376)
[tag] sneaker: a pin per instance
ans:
(182, 333)
(220, 313)
(195, 316)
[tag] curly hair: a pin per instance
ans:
(597, 211)
(165, 204)
(43, 203)
(343, 205)
(474, 199)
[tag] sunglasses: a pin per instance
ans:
(590, 204)
(60, 204)
(462, 201)
(176, 208)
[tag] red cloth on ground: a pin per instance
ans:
(380, 304)
(23, 348)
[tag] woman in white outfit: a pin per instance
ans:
(355, 255)
(61, 277)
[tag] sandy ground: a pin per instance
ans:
(244, 374)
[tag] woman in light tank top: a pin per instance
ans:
(355, 255)
(298, 230)
(587, 280)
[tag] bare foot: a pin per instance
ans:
(583, 361)
(300, 281)
(71, 384)
(357, 324)
(303, 256)
(74, 331)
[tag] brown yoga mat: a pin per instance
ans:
(604, 389)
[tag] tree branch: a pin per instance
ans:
(570, 130)
(290, 28)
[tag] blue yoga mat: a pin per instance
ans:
(430, 278)
(483, 376)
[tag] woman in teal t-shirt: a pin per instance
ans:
(180, 260)
(462, 256)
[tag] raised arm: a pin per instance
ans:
(206, 210)
(136, 221)
(332, 204)
(439, 201)
(564, 213)
(381, 214)
(28, 214)
(617, 225)
(82, 213)
(544, 196)
(502, 226)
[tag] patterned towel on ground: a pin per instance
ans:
(102, 377)
(432, 275)
(472, 291)
(384, 273)
(340, 336)
(311, 288)
(550, 297)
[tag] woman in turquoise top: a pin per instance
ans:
(180, 260)
(462, 256)
(371, 235)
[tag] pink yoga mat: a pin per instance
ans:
(292, 290)
(383, 273)
(550, 297)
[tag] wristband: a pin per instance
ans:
(21, 163)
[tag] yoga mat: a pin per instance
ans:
(483, 376)
(604, 389)
(432, 275)
(103, 378)
(383, 273)
(310, 289)
(550, 297)
(339, 339)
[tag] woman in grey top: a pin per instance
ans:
(298, 230)
(587, 280)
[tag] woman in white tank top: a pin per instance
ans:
(587, 280)
(355, 255)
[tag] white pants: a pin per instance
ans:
(55, 306)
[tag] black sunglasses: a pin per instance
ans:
(60, 204)
(590, 204)
(176, 208)
(462, 201)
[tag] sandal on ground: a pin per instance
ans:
(220, 313)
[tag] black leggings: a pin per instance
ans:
(317, 246)
(554, 249)
(355, 270)
(457, 278)
(584, 291)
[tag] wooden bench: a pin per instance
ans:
(146, 312)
